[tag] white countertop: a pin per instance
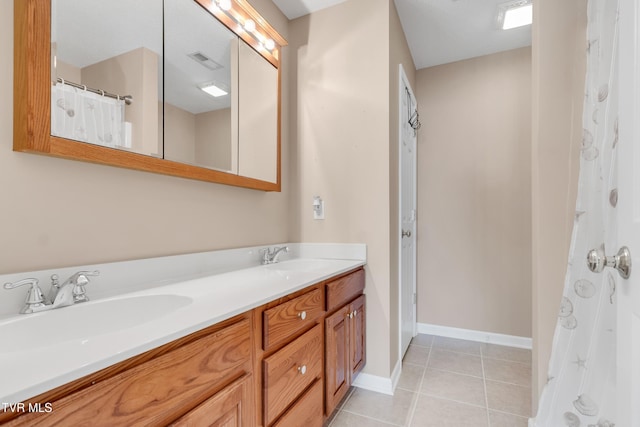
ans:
(32, 365)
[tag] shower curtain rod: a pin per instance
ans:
(128, 99)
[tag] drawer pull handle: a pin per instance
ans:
(302, 369)
(302, 315)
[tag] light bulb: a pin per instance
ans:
(269, 44)
(224, 4)
(249, 25)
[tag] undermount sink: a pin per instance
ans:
(83, 321)
(301, 264)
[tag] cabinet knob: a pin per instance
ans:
(302, 369)
(302, 315)
(355, 313)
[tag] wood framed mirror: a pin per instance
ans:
(251, 110)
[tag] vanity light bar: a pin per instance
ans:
(246, 22)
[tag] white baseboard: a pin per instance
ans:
(377, 383)
(471, 335)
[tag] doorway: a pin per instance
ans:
(408, 200)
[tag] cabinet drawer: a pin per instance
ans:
(307, 411)
(284, 320)
(288, 372)
(153, 393)
(229, 407)
(344, 289)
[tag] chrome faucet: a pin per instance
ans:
(270, 255)
(72, 291)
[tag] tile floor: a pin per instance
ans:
(447, 382)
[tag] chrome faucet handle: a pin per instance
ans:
(35, 298)
(266, 255)
(86, 273)
(79, 290)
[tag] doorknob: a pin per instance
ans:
(406, 233)
(597, 261)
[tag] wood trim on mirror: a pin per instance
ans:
(32, 104)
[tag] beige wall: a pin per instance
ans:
(133, 73)
(213, 139)
(398, 54)
(474, 194)
(257, 114)
(60, 212)
(179, 133)
(559, 59)
(68, 72)
(340, 135)
(200, 139)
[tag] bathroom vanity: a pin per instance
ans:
(281, 346)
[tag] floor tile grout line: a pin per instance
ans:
(346, 398)
(509, 413)
(508, 383)
(370, 418)
(484, 384)
(457, 352)
(412, 364)
(342, 405)
(456, 372)
(507, 360)
(480, 344)
(414, 402)
(433, 396)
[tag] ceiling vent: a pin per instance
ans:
(204, 60)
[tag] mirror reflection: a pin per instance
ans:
(258, 116)
(200, 88)
(167, 79)
(107, 73)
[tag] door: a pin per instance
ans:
(357, 336)
(628, 292)
(407, 263)
(336, 379)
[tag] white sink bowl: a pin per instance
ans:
(79, 323)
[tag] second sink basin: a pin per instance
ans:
(82, 321)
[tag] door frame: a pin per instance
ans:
(403, 82)
(627, 296)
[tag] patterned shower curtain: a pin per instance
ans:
(88, 117)
(580, 389)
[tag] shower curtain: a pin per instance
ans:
(85, 116)
(580, 389)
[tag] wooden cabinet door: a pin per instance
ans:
(357, 334)
(336, 358)
(230, 407)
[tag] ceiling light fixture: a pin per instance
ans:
(515, 14)
(213, 90)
